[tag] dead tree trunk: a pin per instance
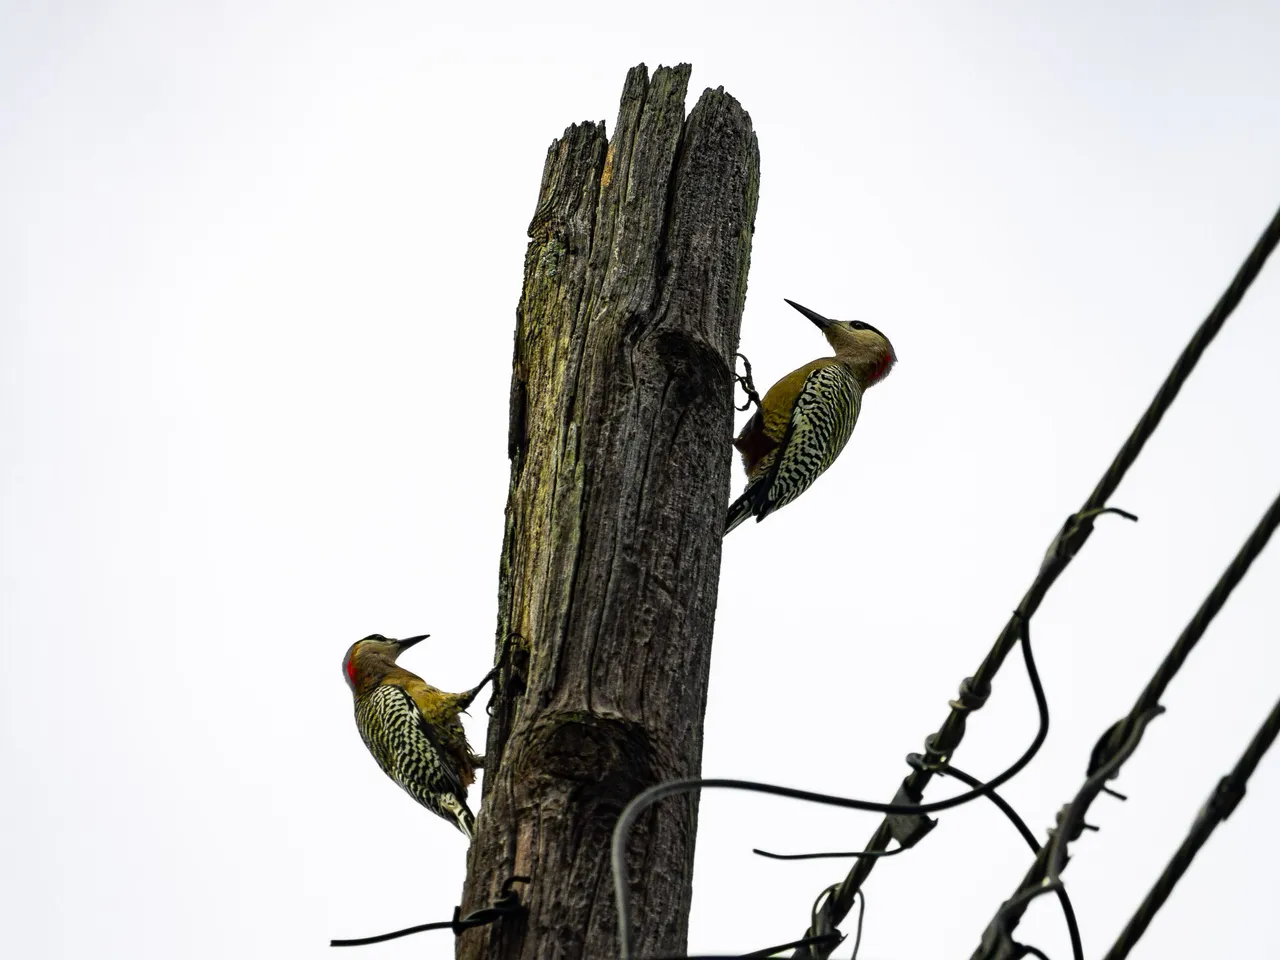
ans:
(621, 414)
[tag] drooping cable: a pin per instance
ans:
(652, 795)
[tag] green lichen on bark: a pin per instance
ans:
(621, 410)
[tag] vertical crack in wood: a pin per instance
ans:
(635, 279)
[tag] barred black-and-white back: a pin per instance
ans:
(822, 421)
(399, 738)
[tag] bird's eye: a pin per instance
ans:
(857, 325)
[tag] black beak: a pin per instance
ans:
(821, 322)
(408, 642)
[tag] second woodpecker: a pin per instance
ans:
(807, 417)
(412, 729)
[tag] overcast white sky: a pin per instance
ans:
(259, 264)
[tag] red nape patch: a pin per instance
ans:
(351, 669)
(883, 367)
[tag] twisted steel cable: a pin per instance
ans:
(1228, 793)
(1115, 745)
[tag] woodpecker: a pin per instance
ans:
(807, 417)
(412, 729)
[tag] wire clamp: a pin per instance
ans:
(970, 698)
(1076, 531)
(507, 904)
(1226, 797)
(909, 828)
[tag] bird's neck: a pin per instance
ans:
(370, 679)
(868, 367)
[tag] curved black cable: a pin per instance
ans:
(829, 856)
(1068, 911)
(1055, 856)
(420, 928)
(947, 770)
(655, 793)
(507, 903)
(1107, 754)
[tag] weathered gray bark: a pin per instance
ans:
(621, 393)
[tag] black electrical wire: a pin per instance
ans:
(946, 770)
(805, 942)
(1226, 796)
(655, 793)
(508, 903)
(862, 912)
(455, 925)
(1024, 831)
(1064, 547)
(1054, 857)
(1182, 367)
(1196, 627)
(380, 938)
(766, 952)
(1073, 819)
(830, 855)
(1106, 758)
(1068, 911)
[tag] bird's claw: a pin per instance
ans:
(503, 654)
(748, 385)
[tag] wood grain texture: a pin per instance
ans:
(621, 417)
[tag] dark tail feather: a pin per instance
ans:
(739, 511)
(747, 505)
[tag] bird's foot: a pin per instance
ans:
(748, 385)
(464, 701)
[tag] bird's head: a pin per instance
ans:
(373, 657)
(865, 349)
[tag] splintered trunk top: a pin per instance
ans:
(621, 419)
